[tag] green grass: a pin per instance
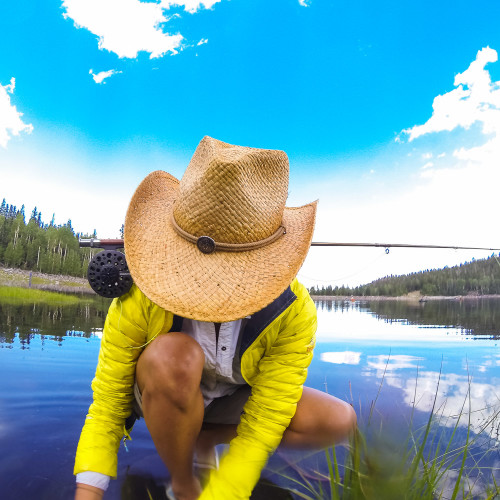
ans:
(434, 462)
(20, 296)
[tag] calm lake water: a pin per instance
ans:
(391, 360)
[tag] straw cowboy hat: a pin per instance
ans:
(220, 244)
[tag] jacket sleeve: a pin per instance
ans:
(125, 333)
(276, 390)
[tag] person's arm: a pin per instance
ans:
(125, 333)
(276, 390)
(87, 492)
(90, 485)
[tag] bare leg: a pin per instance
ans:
(210, 436)
(169, 374)
(321, 420)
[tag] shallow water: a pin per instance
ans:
(385, 358)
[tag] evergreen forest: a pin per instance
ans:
(479, 277)
(34, 245)
(31, 244)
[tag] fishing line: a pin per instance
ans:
(398, 245)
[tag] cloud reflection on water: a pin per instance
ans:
(453, 395)
(341, 358)
(383, 363)
(408, 358)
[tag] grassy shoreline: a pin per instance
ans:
(19, 296)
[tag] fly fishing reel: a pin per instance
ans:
(108, 272)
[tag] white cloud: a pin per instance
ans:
(101, 76)
(305, 3)
(125, 27)
(11, 123)
(475, 99)
(11, 86)
(202, 41)
(470, 175)
(189, 5)
(453, 201)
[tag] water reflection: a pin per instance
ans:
(341, 358)
(457, 398)
(406, 357)
(383, 364)
(477, 317)
(471, 316)
(23, 323)
(424, 353)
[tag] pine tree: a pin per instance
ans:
(34, 215)
(23, 214)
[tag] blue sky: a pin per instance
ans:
(389, 112)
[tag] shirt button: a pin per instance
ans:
(223, 348)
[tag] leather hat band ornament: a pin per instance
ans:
(207, 245)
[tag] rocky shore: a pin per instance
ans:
(53, 282)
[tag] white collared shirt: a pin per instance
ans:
(221, 373)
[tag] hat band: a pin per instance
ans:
(207, 245)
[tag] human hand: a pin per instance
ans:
(187, 490)
(87, 492)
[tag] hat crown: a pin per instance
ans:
(234, 194)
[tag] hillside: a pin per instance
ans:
(479, 277)
(38, 246)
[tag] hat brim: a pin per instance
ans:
(217, 287)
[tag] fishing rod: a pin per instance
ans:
(396, 245)
(114, 244)
(109, 276)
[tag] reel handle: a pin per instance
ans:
(107, 244)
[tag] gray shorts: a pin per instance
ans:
(225, 410)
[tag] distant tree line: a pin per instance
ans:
(479, 277)
(37, 246)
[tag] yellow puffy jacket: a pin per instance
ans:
(276, 350)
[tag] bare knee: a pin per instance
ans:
(345, 422)
(171, 366)
(320, 421)
(337, 422)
